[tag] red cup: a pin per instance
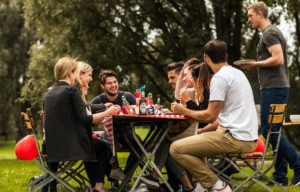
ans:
(138, 94)
(126, 109)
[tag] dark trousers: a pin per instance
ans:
(286, 152)
(53, 166)
(96, 171)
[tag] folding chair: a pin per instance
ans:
(67, 169)
(276, 117)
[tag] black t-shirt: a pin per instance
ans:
(103, 99)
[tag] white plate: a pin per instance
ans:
(240, 62)
(295, 118)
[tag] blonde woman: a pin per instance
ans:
(96, 171)
(66, 120)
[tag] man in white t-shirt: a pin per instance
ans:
(231, 102)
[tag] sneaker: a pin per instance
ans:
(142, 188)
(225, 188)
(199, 188)
(117, 174)
(296, 184)
(150, 181)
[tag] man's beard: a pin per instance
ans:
(111, 94)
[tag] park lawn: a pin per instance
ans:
(16, 174)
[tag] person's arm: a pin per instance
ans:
(80, 109)
(97, 107)
(276, 59)
(206, 116)
(98, 117)
(184, 96)
(179, 85)
(209, 127)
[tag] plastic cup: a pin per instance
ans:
(126, 109)
(138, 94)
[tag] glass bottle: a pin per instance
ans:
(143, 103)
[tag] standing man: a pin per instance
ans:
(274, 84)
(231, 102)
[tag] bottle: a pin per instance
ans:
(137, 101)
(143, 103)
(158, 100)
(137, 97)
(124, 101)
(150, 99)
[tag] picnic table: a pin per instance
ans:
(158, 126)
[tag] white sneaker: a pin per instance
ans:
(117, 174)
(199, 188)
(225, 188)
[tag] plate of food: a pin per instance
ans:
(240, 62)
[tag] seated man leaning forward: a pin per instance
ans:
(231, 102)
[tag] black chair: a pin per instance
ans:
(68, 170)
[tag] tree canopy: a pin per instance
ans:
(139, 38)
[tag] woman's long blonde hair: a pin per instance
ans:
(82, 68)
(202, 75)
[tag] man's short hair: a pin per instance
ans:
(216, 50)
(177, 66)
(106, 73)
(259, 7)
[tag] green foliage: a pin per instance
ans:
(15, 41)
(139, 38)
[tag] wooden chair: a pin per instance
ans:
(276, 117)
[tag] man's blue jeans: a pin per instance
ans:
(286, 152)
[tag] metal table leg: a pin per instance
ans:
(149, 157)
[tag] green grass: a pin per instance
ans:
(16, 174)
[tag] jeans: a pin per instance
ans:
(286, 152)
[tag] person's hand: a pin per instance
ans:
(114, 109)
(107, 105)
(177, 108)
(184, 96)
(249, 64)
(165, 110)
(199, 131)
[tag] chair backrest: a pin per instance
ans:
(30, 125)
(276, 113)
(276, 118)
